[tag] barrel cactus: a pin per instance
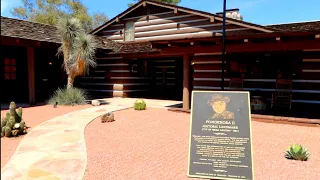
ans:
(139, 105)
(12, 123)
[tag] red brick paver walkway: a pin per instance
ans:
(56, 148)
(153, 145)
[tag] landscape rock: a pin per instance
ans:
(95, 103)
(108, 117)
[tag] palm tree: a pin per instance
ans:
(77, 47)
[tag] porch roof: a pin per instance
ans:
(308, 26)
(16, 28)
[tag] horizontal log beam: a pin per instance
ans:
(10, 41)
(248, 47)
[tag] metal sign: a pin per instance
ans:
(220, 145)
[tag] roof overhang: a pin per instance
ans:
(280, 40)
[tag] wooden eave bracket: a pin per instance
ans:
(278, 38)
(117, 19)
(317, 36)
(212, 19)
(246, 40)
(144, 4)
(175, 10)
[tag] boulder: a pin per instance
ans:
(95, 103)
(108, 117)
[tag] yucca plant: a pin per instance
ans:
(139, 105)
(77, 47)
(297, 152)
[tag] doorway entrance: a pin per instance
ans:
(14, 74)
(166, 78)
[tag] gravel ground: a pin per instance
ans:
(33, 116)
(153, 145)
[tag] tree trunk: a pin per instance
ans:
(70, 81)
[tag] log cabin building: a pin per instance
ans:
(158, 50)
(30, 69)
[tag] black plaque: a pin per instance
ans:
(220, 144)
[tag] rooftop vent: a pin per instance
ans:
(232, 13)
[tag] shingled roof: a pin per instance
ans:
(313, 26)
(17, 28)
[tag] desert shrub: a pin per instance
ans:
(297, 152)
(139, 105)
(69, 96)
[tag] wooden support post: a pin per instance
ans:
(31, 76)
(186, 81)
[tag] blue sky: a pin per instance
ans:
(255, 11)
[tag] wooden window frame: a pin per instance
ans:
(10, 74)
(129, 31)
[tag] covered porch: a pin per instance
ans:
(30, 70)
(259, 62)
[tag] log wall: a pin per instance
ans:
(113, 78)
(168, 25)
(306, 82)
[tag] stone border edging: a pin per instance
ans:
(286, 119)
(266, 117)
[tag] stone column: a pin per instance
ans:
(186, 81)
(31, 76)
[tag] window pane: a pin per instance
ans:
(7, 69)
(13, 62)
(13, 75)
(7, 76)
(13, 69)
(6, 61)
(129, 26)
(129, 36)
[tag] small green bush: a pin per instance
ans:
(139, 105)
(297, 152)
(68, 96)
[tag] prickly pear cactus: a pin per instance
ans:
(13, 123)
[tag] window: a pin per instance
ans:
(10, 69)
(129, 31)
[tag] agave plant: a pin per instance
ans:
(297, 152)
(78, 48)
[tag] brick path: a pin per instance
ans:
(56, 149)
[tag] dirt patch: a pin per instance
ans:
(33, 116)
(153, 144)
